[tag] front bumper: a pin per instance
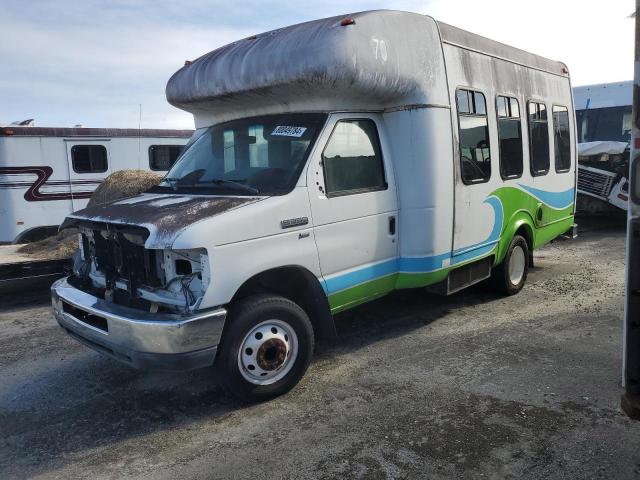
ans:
(141, 339)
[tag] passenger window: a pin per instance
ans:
(162, 157)
(538, 139)
(89, 158)
(475, 155)
(352, 161)
(509, 137)
(562, 142)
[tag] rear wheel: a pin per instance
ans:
(266, 348)
(510, 276)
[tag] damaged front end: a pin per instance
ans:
(114, 265)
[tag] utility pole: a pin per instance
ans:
(631, 347)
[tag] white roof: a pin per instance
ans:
(378, 60)
(603, 95)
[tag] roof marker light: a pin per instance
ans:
(347, 21)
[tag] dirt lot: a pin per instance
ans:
(418, 386)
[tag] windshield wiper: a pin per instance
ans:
(220, 181)
(173, 182)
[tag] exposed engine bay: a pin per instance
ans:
(114, 264)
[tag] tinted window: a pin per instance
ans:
(562, 142)
(89, 158)
(352, 160)
(612, 123)
(509, 137)
(475, 155)
(538, 138)
(162, 157)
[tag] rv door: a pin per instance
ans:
(89, 164)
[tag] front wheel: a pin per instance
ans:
(510, 276)
(265, 349)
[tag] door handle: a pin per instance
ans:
(392, 225)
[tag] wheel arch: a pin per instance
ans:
(520, 224)
(300, 286)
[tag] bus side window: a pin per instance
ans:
(475, 155)
(509, 137)
(162, 157)
(561, 138)
(89, 159)
(538, 139)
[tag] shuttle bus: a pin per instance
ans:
(334, 161)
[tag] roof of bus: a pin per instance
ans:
(17, 131)
(372, 60)
(603, 95)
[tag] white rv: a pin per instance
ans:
(47, 173)
(603, 121)
(333, 162)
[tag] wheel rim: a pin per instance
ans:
(267, 353)
(517, 263)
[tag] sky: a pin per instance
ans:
(91, 62)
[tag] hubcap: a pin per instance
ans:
(517, 264)
(268, 352)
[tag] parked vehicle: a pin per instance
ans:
(603, 120)
(333, 162)
(47, 173)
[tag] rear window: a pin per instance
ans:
(562, 140)
(89, 158)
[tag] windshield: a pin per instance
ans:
(612, 123)
(253, 156)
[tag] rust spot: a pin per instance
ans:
(271, 354)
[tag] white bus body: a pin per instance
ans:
(40, 185)
(333, 162)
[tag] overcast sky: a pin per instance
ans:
(92, 62)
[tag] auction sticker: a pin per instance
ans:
(287, 131)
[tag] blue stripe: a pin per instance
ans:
(365, 274)
(422, 264)
(557, 200)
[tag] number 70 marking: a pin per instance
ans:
(380, 49)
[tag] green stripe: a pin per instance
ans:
(519, 208)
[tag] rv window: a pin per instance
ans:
(352, 160)
(509, 137)
(89, 158)
(162, 157)
(538, 139)
(475, 155)
(562, 142)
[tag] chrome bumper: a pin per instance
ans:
(142, 339)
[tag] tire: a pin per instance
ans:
(265, 349)
(510, 276)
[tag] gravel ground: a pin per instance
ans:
(418, 386)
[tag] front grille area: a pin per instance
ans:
(595, 182)
(85, 317)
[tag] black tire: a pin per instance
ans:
(500, 277)
(246, 315)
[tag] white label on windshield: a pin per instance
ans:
(285, 131)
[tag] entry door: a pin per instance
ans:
(89, 164)
(478, 214)
(354, 208)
